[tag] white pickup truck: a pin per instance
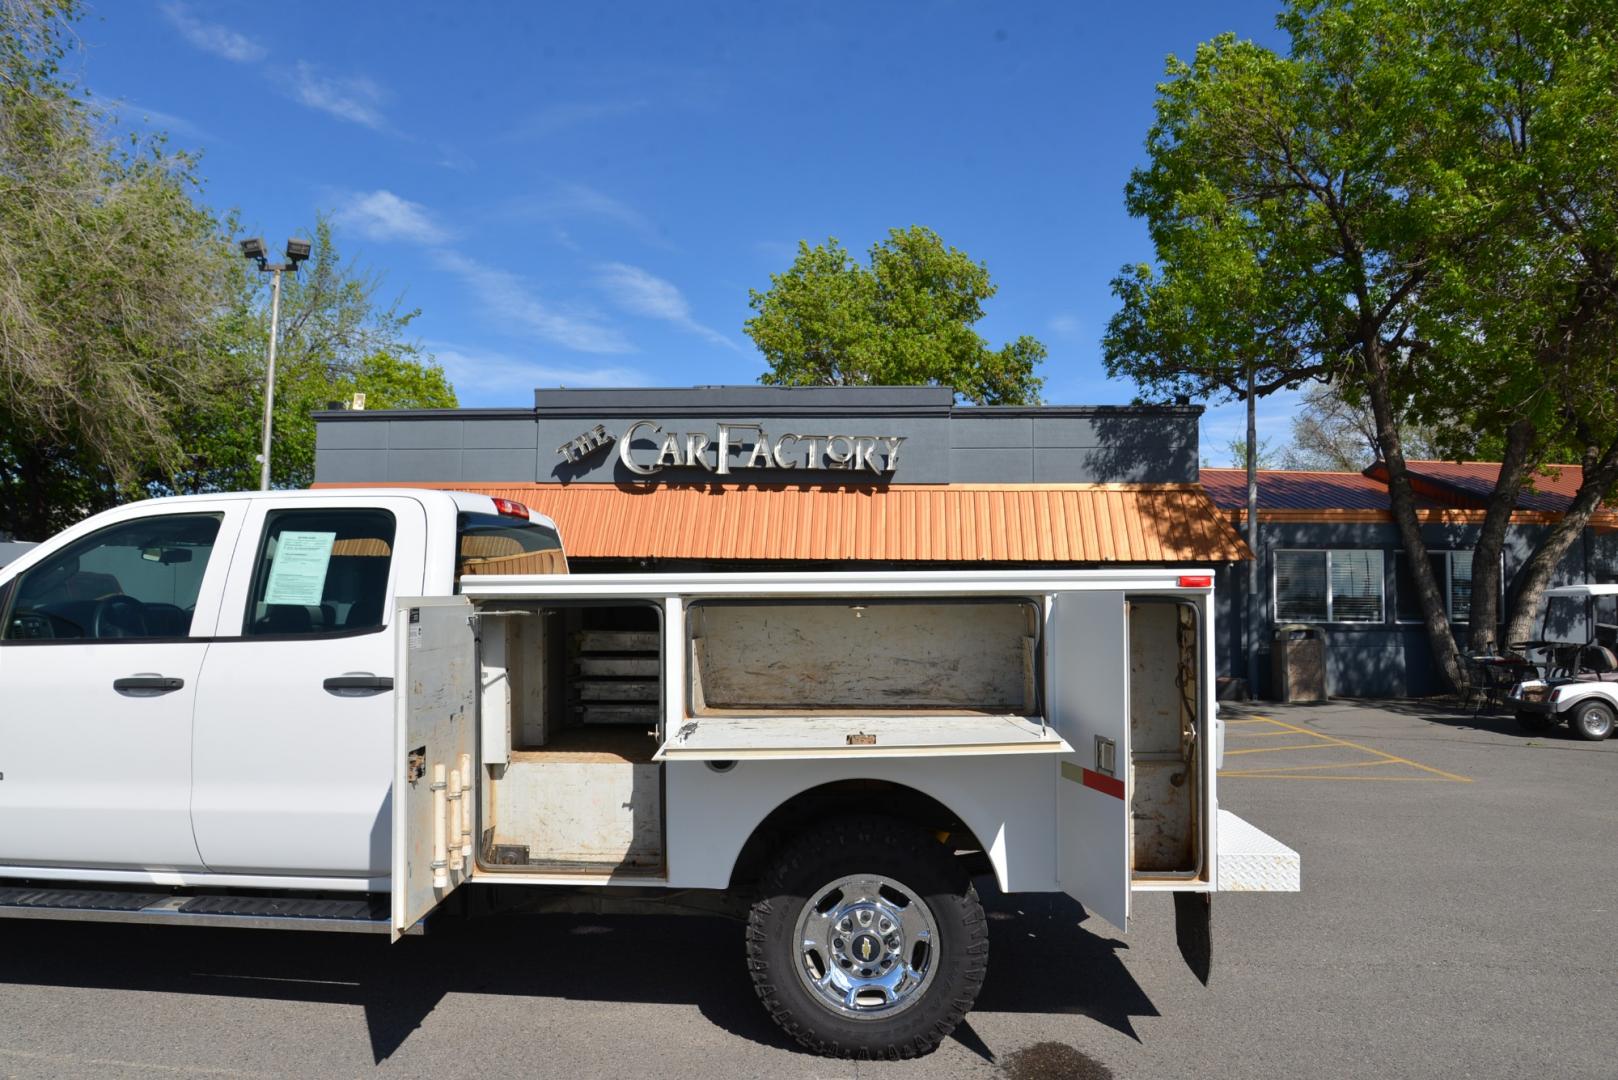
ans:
(331, 710)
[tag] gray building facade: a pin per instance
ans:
(1383, 652)
(939, 442)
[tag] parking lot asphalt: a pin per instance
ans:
(1456, 920)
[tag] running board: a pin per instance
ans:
(241, 912)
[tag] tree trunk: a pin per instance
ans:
(1435, 618)
(1514, 465)
(1600, 474)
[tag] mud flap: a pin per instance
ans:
(1193, 930)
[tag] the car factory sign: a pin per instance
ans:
(732, 448)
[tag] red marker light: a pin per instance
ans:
(511, 509)
(1191, 581)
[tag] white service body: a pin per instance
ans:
(400, 731)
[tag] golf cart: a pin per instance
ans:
(1580, 682)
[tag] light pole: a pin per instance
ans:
(297, 251)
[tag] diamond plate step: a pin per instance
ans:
(1251, 860)
(356, 914)
(79, 899)
(283, 907)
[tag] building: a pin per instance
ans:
(1329, 556)
(803, 478)
(753, 477)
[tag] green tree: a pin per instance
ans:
(132, 337)
(109, 275)
(1265, 456)
(1366, 210)
(905, 319)
(1546, 85)
(336, 339)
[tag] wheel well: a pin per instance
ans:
(882, 797)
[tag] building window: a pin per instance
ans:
(1452, 570)
(1340, 585)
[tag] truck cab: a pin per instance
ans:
(201, 685)
(335, 709)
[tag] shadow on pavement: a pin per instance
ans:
(1042, 960)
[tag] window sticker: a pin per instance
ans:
(298, 574)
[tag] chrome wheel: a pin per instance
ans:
(1593, 721)
(867, 946)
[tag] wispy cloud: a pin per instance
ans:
(382, 215)
(509, 298)
(568, 201)
(567, 114)
(641, 293)
(495, 375)
(354, 98)
(1065, 326)
(212, 37)
(131, 112)
(451, 158)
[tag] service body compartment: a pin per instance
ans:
(572, 699)
(864, 654)
(749, 689)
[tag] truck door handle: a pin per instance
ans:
(361, 682)
(147, 684)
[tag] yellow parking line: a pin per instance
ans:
(1301, 768)
(1371, 779)
(1273, 749)
(1257, 734)
(1369, 750)
(1254, 720)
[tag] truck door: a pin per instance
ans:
(99, 658)
(1087, 680)
(434, 755)
(294, 716)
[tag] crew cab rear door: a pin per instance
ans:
(1087, 688)
(435, 755)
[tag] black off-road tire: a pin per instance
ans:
(1532, 721)
(822, 855)
(1592, 720)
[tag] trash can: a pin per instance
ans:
(1298, 663)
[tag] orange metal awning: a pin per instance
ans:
(1130, 523)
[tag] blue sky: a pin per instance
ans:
(583, 194)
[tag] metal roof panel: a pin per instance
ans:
(1084, 523)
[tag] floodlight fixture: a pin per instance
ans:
(297, 251)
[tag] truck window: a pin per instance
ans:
(495, 544)
(320, 572)
(135, 580)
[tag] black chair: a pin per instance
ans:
(1492, 678)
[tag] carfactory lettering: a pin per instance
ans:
(696, 450)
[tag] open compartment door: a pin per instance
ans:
(1087, 668)
(435, 755)
(856, 676)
